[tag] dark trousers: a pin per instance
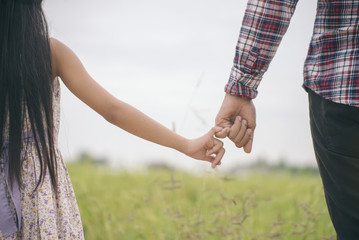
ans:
(335, 133)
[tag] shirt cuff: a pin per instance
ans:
(242, 84)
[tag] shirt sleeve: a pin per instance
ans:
(264, 24)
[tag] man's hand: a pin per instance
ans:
(238, 114)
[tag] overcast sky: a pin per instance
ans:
(171, 59)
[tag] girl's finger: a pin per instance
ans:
(221, 133)
(217, 145)
(218, 158)
(208, 159)
(215, 129)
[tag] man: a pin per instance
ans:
(331, 78)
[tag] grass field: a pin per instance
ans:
(166, 204)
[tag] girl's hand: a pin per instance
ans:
(207, 148)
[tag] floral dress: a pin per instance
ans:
(44, 215)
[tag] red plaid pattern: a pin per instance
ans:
(331, 68)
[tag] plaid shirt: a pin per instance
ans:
(331, 68)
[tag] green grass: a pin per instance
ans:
(164, 204)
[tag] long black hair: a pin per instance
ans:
(26, 85)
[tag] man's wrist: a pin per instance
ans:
(237, 89)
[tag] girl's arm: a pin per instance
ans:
(69, 68)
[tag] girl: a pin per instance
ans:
(36, 196)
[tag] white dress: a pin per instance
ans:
(43, 214)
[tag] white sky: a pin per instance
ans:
(153, 53)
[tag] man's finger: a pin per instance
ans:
(235, 128)
(245, 138)
(248, 146)
(241, 133)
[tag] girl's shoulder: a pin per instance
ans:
(61, 55)
(56, 47)
(56, 44)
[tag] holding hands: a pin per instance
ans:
(207, 148)
(239, 115)
(236, 120)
